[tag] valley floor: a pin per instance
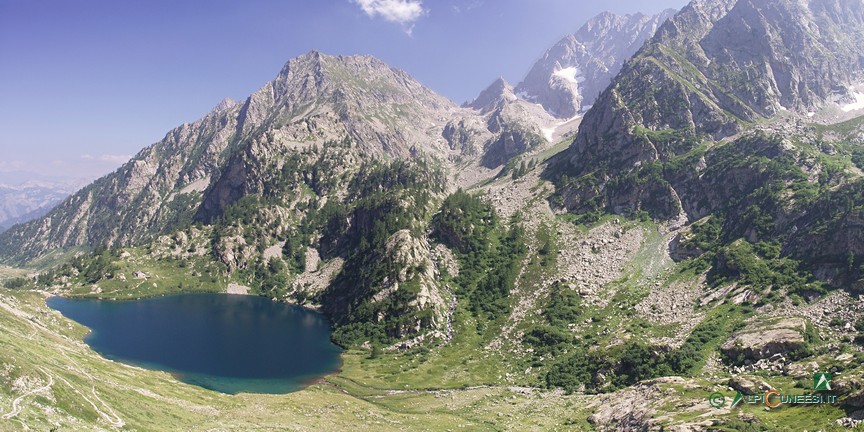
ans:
(51, 379)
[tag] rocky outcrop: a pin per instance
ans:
(412, 258)
(634, 408)
(763, 340)
(855, 399)
(749, 385)
(570, 75)
(831, 236)
(393, 287)
(852, 391)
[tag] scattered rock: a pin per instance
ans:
(853, 389)
(234, 288)
(749, 385)
(762, 340)
(853, 420)
(743, 385)
(273, 251)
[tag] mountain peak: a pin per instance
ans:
(318, 74)
(499, 90)
(318, 61)
(348, 85)
(570, 75)
(224, 105)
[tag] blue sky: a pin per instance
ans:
(85, 84)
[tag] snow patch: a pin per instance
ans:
(525, 96)
(811, 114)
(549, 133)
(570, 74)
(858, 104)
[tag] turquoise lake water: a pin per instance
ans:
(226, 343)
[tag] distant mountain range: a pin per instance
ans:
(694, 80)
(22, 202)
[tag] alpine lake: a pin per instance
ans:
(227, 343)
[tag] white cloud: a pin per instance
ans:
(467, 6)
(404, 12)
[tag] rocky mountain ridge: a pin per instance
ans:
(698, 78)
(156, 189)
(569, 76)
(26, 201)
(199, 169)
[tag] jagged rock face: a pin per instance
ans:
(498, 92)
(145, 195)
(509, 127)
(412, 257)
(570, 75)
(317, 97)
(831, 235)
(382, 109)
(785, 54)
(696, 79)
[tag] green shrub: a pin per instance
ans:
(488, 255)
(15, 283)
(564, 306)
(548, 340)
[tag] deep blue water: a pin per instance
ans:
(227, 343)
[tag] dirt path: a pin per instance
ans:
(16, 404)
(113, 419)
